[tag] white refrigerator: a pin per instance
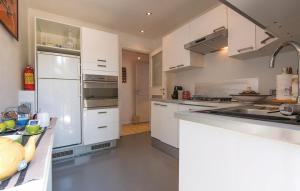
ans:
(58, 94)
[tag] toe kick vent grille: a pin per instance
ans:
(62, 154)
(100, 146)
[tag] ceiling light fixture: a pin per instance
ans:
(139, 58)
(148, 13)
(142, 31)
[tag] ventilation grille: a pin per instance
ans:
(100, 146)
(62, 154)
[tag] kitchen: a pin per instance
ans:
(204, 131)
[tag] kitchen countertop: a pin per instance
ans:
(36, 175)
(272, 130)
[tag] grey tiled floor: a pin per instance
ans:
(133, 166)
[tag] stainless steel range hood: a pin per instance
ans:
(279, 17)
(210, 43)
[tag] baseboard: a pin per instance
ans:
(74, 151)
(168, 149)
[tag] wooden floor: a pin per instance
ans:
(135, 129)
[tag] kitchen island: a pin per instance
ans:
(234, 154)
(38, 175)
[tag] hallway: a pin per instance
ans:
(132, 129)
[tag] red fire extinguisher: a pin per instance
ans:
(29, 78)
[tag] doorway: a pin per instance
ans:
(134, 96)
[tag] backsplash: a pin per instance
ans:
(221, 68)
(225, 88)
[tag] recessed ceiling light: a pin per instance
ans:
(139, 58)
(142, 31)
(148, 13)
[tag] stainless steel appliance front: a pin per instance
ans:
(100, 91)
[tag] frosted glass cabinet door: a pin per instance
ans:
(157, 70)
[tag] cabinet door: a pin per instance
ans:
(241, 34)
(175, 56)
(100, 125)
(169, 124)
(263, 38)
(208, 23)
(99, 50)
(156, 117)
(169, 56)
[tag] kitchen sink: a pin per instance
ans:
(256, 113)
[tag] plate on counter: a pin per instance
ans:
(25, 133)
(7, 131)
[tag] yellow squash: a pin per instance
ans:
(12, 154)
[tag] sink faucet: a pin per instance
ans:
(296, 46)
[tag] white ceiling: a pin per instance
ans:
(129, 16)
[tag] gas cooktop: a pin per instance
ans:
(211, 99)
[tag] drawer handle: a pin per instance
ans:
(172, 67)
(245, 49)
(102, 127)
(270, 36)
(178, 66)
(156, 104)
(101, 60)
(101, 65)
(102, 112)
(219, 29)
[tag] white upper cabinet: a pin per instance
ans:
(244, 36)
(100, 50)
(173, 47)
(263, 38)
(241, 34)
(175, 56)
(208, 23)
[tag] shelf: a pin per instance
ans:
(57, 50)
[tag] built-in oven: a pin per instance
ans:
(100, 91)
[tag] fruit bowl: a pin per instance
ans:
(249, 98)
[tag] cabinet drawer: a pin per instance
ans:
(100, 64)
(100, 125)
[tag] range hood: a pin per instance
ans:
(210, 43)
(279, 17)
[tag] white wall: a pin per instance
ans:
(12, 61)
(127, 97)
(219, 67)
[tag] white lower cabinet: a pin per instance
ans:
(164, 125)
(100, 125)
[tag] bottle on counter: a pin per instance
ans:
(284, 85)
(295, 87)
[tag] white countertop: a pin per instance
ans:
(272, 130)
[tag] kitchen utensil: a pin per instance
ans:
(289, 109)
(175, 92)
(24, 109)
(186, 95)
(44, 119)
(249, 98)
